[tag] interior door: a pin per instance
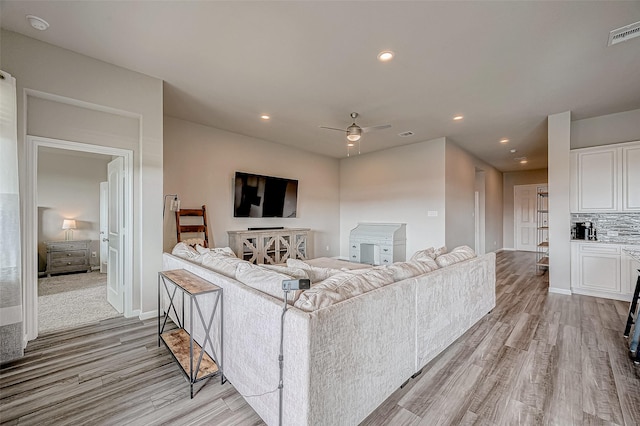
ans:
(104, 226)
(115, 234)
(524, 203)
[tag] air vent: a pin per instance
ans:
(405, 134)
(624, 34)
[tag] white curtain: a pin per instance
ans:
(10, 269)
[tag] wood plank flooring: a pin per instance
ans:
(538, 358)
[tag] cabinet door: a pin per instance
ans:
(599, 272)
(631, 178)
(630, 268)
(598, 180)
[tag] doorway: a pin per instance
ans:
(32, 218)
(524, 214)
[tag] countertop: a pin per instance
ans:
(620, 243)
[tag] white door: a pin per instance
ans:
(104, 227)
(524, 204)
(115, 234)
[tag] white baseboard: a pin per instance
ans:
(560, 291)
(148, 315)
(507, 249)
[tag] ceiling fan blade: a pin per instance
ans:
(380, 127)
(332, 128)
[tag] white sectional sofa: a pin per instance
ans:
(342, 361)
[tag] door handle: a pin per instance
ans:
(105, 240)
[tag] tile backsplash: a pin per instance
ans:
(627, 225)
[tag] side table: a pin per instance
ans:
(195, 363)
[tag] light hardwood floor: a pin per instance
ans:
(538, 358)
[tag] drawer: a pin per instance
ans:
(386, 250)
(386, 259)
(72, 261)
(600, 248)
(354, 254)
(65, 246)
(68, 254)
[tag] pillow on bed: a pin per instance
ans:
(185, 251)
(265, 280)
(343, 286)
(456, 255)
(315, 273)
(222, 263)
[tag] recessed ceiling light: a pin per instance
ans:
(458, 117)
(37, 23)
(505, 140)
(265, 117)
(513, 151)
(385, 56)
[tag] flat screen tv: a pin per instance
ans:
(264, 196)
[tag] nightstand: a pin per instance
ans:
(67, 256)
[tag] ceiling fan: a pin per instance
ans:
(354, 132)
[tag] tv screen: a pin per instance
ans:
(264, 196)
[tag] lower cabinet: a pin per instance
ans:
(602, 270)
(271, 246)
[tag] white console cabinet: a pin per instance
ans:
(606, 178)
(271, 246)
(378, 243)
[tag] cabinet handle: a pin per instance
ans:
(353, 246)
(354, 256)
(385, 249)
(386, 261)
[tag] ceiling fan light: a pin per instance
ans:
(353, 137)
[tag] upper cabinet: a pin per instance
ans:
(606, 179)
(631, 177)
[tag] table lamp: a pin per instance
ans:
(68, 225)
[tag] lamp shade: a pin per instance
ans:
(69, 224)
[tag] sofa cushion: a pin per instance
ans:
(403, 270)
(185, 251)
(427, 257)
(316, 274)
(296, 273)
(343, 286)
(222, 263)
(223, 251)
(456, 255)
(265, 280)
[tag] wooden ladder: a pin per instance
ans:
(202, 212)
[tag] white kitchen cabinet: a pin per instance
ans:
(631, 178)
(601, 270)
(630, 267)
(606, 178)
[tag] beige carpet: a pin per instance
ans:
(72, 300)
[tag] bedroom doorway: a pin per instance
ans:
(121, 269)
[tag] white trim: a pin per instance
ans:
(30, 243)
(603, 294)
(507, 249)
(148, 315)
(558, 290)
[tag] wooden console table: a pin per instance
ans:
(195, 363)
(271, 246)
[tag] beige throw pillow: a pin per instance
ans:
(222, 264)
(342, 286)
(315, 273)
(456, 255)
(265, 280)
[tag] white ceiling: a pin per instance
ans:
(505, 66)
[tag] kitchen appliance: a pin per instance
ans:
(582, 230)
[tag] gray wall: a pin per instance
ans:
(606, 129)
(92, 85)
